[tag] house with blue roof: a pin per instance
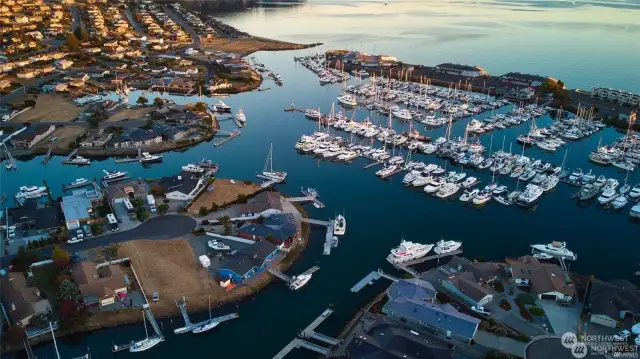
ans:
(244, 264)
(413, 301)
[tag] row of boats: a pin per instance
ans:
(410, 251)
(624, 153)
(317, 64)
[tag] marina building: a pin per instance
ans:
(99, 286)
(622, 97)
(413, 301)
(460, 70)
(31, 136)
(611, 303)
(21, 301)
(546, 280)
(520, 79)
(244, 264)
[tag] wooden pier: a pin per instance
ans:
(130, 159)
(314, 200)
(407, 265)
(309, 332)
(47, 157)
(370, 278)
(329, 236)
(70, 156)
(189, 326)
(369, 165)
(233, 135)
(10, 160)
(154, 326)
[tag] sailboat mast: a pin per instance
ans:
(145, 325)
(55, 344)
(209, 307)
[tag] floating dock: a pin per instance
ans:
(232, 135)
(407, 265)
(47, 157)
(369, 165)
(329, 236)
(314, 200)
(309, 332)
(129, 159)
(288, 279)
(154, 326)
(188, 326)
(370, 278)
(67, 160)
(11, 162)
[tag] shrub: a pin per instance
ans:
(524, 313)
(537, 311)
(247, 182)
(497, 286)
(504, 304)
(203, 211)
(242, 198)
(526, 299)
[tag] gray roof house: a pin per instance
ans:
(416, 306)
(182, 187)
(610, 302)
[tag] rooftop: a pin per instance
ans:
(613, 297)
(77, 206)
(41, 216)
(247, 259)
(185, 182)
(544, 277)
(125, 189)
(449, 65)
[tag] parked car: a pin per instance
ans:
(622, 336)
(480, 310)
(156, 296)
(74, 240)
(80, 234)
(86, 230)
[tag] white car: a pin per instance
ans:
(622, 336)
(480, 310)
(74, 240)
(80, 234)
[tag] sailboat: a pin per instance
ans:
(146, 343)
(210, 325)
(55, 345)
(268, 168)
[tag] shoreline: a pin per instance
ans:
(111, 319)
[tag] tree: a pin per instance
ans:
(228, 229)
(208, 121)
(93, 121)
(242, 198)
(61, 258)
(81, 34)
(21, 261)
(142, 214)
(68, 291)
(200, 107)
(96, 228)
(158, 102)
(68, 309)
(163, 208)
(203, 211)
(214, 207)
(72, 42)
(148, 125)
(29, 103)
(16, 335)
(142, 100)
(61, 278)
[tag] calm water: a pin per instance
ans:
(380, 213)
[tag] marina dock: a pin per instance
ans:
(47, 157)
(309, 332)
(129, 159)
(407, 265)
(11, 162)
(154, 326)
(316, 202)
(188, 326)
(67, 160)
(370, 278)
(233, 134)
(288, 279)
(369, 165)
(329, 236)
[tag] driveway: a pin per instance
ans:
(562, 319)
(504, 344)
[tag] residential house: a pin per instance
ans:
(465, 286)
(264, 203)
(614, 95)
(247, 262)
(34, 34)
(279, 228)
(412, 302)
(460, 70)
(610, 303)
(96, 138)
(21, 301)
(78, 207)
(546, 280)
(376, 336)
(64, 64)
(117, 192)
(182, 187)
(93, 50)
(27, 74)
(32, 217)
(99, 286)
(4, 84)
(138, 138)
(31, 136)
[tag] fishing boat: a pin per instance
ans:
(79, 182)
(340, 226)
(146, 343)
(408, 251)
(112, 175)
(556, 249)
(206, 327)
(268, 168)
(146, 157)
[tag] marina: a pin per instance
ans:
(189, 326)
(309, 332)
(147, 343)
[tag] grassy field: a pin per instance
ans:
(224, 192)
(49, 107)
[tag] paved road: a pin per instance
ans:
(158, 228)
(77, 18)
(134, 23)
(185, 25)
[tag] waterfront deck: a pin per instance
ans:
(231, 136)
(189, 326)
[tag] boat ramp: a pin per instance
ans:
(370, 278)
(329, 236)
(310, 333)
(154, 325)
(188, 326)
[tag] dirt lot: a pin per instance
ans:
(246, 46)
(66, 135)
(49, 107)
(130, 113)
(224, 192)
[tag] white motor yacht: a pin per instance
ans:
(192, 168)
(29, 192)
(80, 161)
(470, 182)
(149, 158)
(340, 226)
(635, 192)
(607, 196)
(221, 107)
(447, 190)
(421, 180)
(299, 281)
(576, 175)
(530, 195)
(443, 247)
(112, 175)
(410, 177)
(469, 195)
(79, 182)
(403, 114)
(240, 117)
(408, 251)
(218, 246)
(347, 100)
(611, 183)
(620, 202)
(434, 186)
(386, 171)
(635, 211)
(482, 198)
(556, 249)
(550, 183)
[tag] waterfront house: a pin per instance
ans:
(78, 207)
(460, 70)
(416, 307)
(96, 138)
(279, 228)
(5, 84)
(64, 64)
(182, 187)
(33, 220)
(376, 336)
(611, 303)
(27, 74)
(31, 136)
(138, 138)
(264, 203)
(465, 286)
(99, 285)
(117, 192)
(21, 301)
(245, 263)
(546, 280)
(614, 95)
